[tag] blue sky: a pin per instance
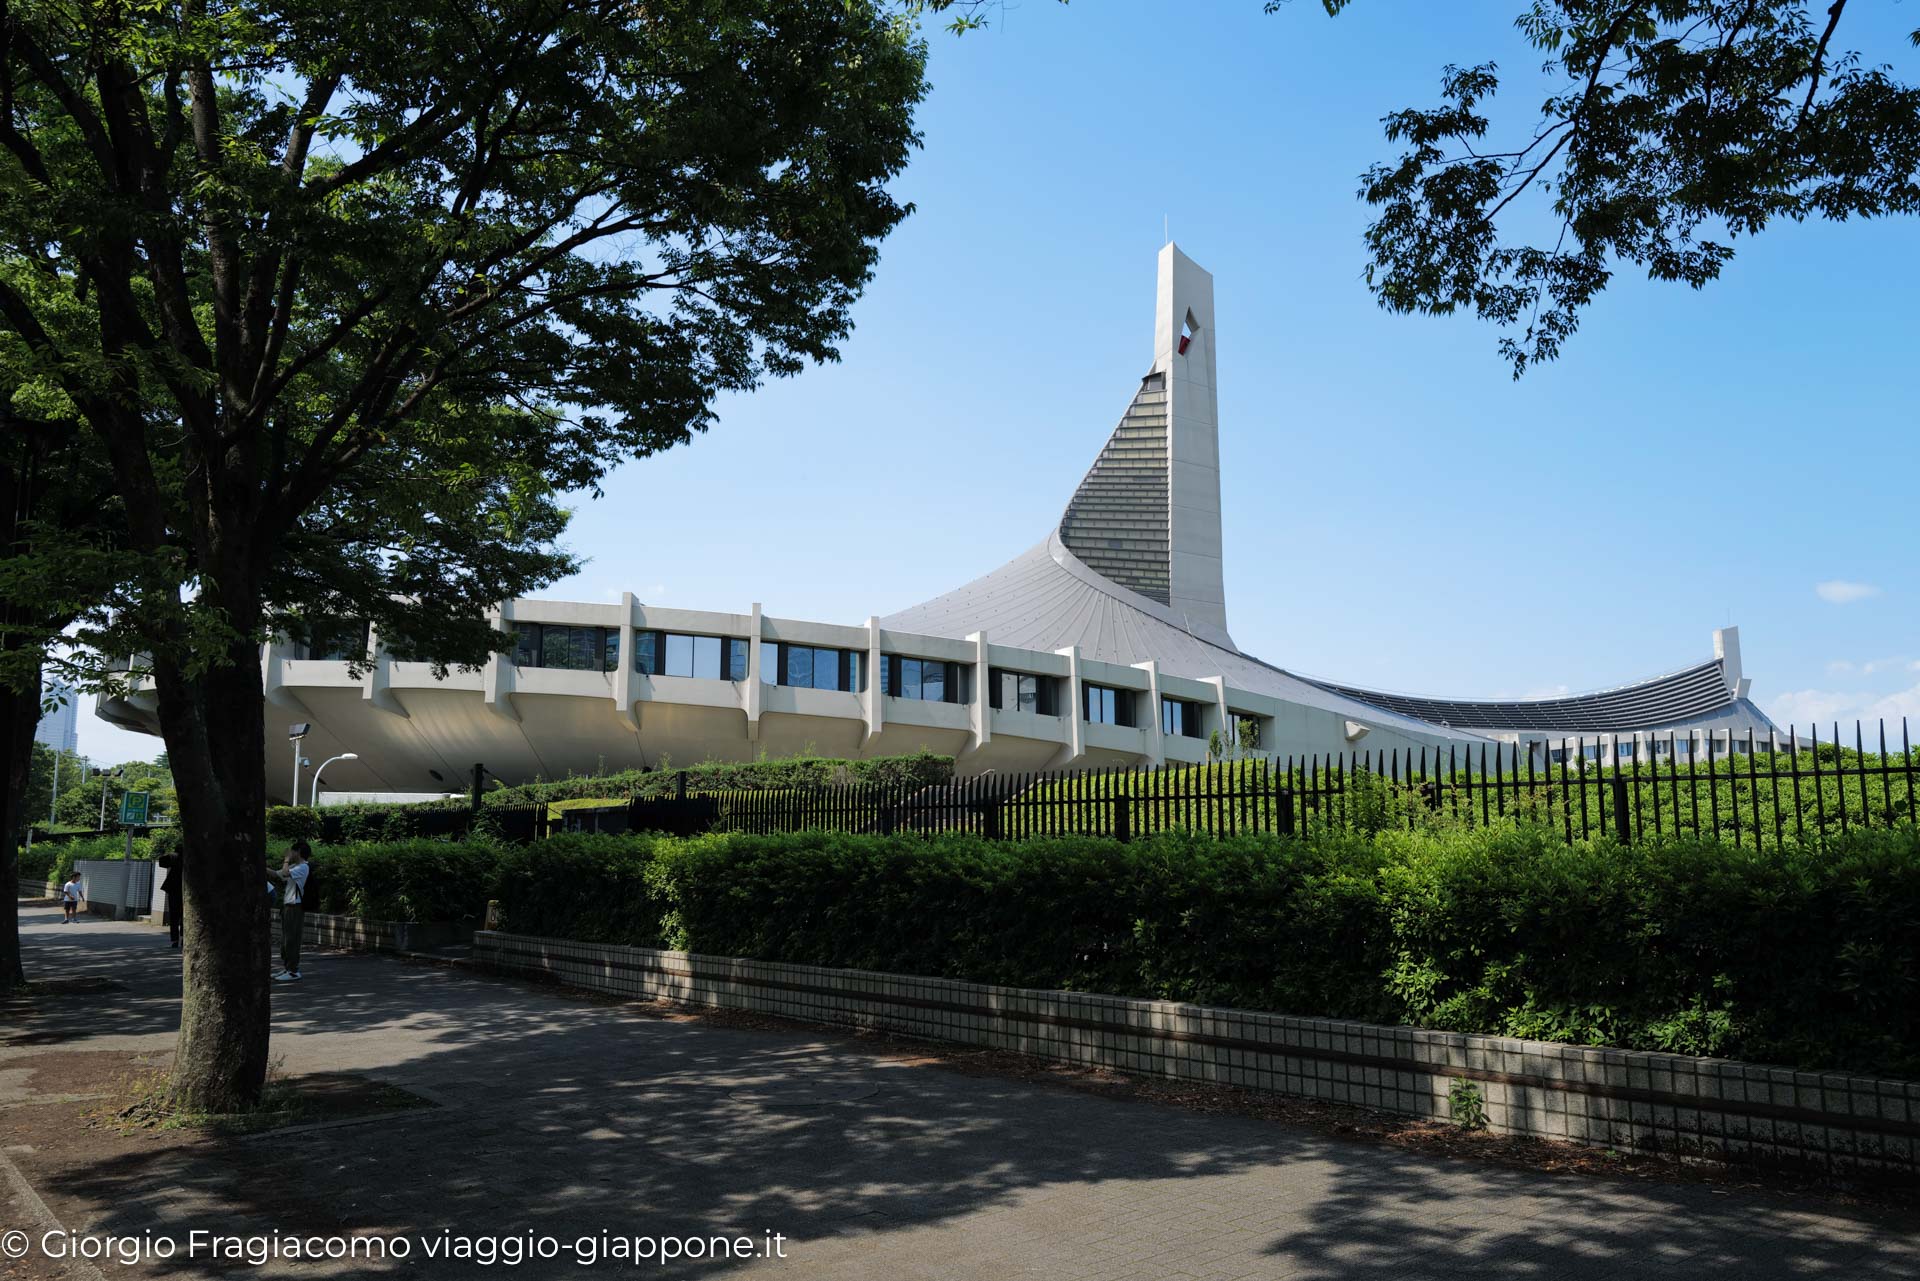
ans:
(1399, 512)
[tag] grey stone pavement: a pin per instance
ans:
(571, 1117)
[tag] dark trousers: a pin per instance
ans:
(173, 919)
(291, 917)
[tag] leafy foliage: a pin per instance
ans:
(81, 792)
(919, 769)
(1674, 127)
(375, 821)
(345, 304)
(406, 881)
(1802, 956)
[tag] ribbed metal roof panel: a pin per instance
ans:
(1678, 696)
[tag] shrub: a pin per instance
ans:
(1806, 957)
(583, 886)
(293, 823)
(418, 880)
(62, 855)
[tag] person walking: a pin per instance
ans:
(70, 895)
(171, 888)
(293, 883)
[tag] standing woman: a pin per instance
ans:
(170, 886)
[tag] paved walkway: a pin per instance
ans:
(573, 1117)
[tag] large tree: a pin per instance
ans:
(57, 520)
(1674, 127)
(334, 257)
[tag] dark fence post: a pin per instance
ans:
(1283, 810)
(1622, 819)
(680, 786)
(1122, 818)
(886, 818)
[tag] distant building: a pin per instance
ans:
(1105, 644)
(60, 728)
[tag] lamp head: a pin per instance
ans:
(298, 729)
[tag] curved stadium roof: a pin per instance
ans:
(1690, 693)
(1131, 573)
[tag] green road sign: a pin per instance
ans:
(133, 808)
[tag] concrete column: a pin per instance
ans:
(623, 676)
(1076, 713)
(980, 709)
(1222, 714)
(496, 679)
(754, 692)
(273, 673)
(376, 685)
(1156, 744)
(873, 699)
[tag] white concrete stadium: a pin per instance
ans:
(1105, 644)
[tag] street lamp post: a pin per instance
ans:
(344, 756)
(296, 732)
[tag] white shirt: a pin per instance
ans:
(296, 883)
(71, 890)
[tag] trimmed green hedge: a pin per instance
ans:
(419, 880)
(1807, 957)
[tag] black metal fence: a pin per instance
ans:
(1762, 792)
(1753, 791)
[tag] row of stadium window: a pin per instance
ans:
(656, 653)
(568, 647)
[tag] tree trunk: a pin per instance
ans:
(19, 716)
(212, 724)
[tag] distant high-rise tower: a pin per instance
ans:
(60, 728)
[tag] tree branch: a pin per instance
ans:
(1819, 59)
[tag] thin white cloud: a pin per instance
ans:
(1822, 707)
(1894, 706)
(1839, 591)
(1803, 707)
(1872, 666)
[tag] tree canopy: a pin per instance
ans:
(403, 290)
(1675, 127)
(348, 299)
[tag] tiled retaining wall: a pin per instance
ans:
(318, 929)
(1623, 1099)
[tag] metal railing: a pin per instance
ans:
(1750, 790)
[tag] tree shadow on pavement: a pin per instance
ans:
(572, 1116)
